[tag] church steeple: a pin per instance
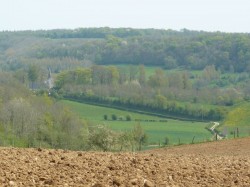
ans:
(50, 79)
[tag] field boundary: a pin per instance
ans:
(133, 110)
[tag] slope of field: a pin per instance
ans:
(224, 163)
(157, 128)
(237, 118)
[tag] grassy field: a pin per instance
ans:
(175, 130)
(238, 117)
(150, 70)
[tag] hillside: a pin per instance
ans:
(238, 116)
(224, 163)
(237, 120)
(63, 49)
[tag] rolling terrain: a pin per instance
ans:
(222, 163)
(165, 88)
(156, 128)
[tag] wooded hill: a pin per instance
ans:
(63, 49)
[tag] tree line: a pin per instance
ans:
(132, 87)
(179, 93)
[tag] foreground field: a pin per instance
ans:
(175, 130)
(224, 163)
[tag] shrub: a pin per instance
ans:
(114, 117)
(105, 117)
(128, 117)
(166, 141)
(102, 138)
(120, 118)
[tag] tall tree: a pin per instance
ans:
(142, 74)
(114, 75)
(33, 74)
(158, 79)
(140, 136)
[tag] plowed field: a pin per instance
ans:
(223, 163)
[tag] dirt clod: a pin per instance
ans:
(98, 185)
(221, 163)
(12, 183)
(147, 183)
(49, 182)
(117, 182)
(134, 181)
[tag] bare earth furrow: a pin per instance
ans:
(222, 163)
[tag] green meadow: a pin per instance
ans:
(237, 118)
(156, 128)
(150, 70)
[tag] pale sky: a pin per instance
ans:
(206, 15)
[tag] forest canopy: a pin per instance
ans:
(63, 49)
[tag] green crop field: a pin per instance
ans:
(175, 130)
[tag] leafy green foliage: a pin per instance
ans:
(30, 120)
(105, 117)
(33, 73)
(166, 141)
(113, 117)
(159, 93)
(102, 138)
(140, 137)
(128, 117)
(64, 49)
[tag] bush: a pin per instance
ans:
(166, 141)
(102, 138)
(105, 117)
(120, 118)
(128, 117)
(114, 117)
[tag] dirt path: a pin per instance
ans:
(221, 163)
(216, 124)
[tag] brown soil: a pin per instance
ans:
(223, 163)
